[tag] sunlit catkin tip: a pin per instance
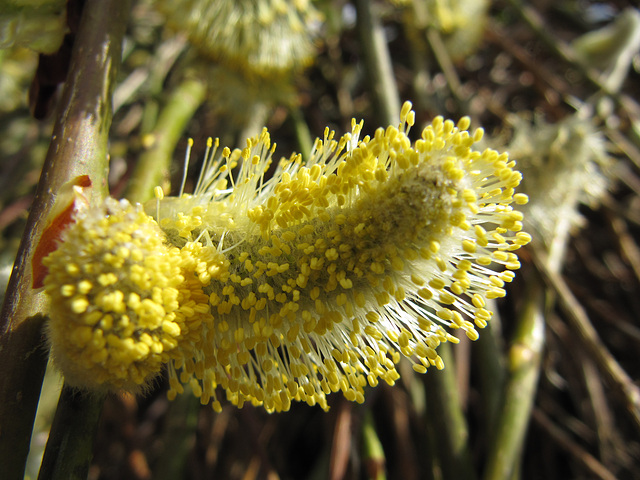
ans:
(121, 300)
(373, 250)
(406, 110)
(158, 193)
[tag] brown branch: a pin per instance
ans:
(565, 441)
(78, 147)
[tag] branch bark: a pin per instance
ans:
(78, 147)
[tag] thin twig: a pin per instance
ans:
(566, 53)
(378, 63)
(373, 454)
(524, 359)
(581, 325)
(562, 439)
(70, 446)
(152, 168)
(341, 444)
(627, 244)
(445, 419)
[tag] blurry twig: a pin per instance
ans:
(378, 63)
(446, 421)
(626, 242)
(70, 446)
(305, 142)
(557, 434)
(373, 454)
(258, 436)
(418, 50)
(153, 76)
(153, 165)
(444, 60)
(178, 435)
(627, 147)
(566, 53)
(627, 177)
(601, 413)
(401, 409)
(541, 72)
(581, 325)
(341, 444)
(492, 372)
(524, 360)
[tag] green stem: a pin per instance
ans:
(70, 446)
(153, 165)
(445, 420)
(445, 62)
(373, 453)
(491, 368)
(415, 25)
(524, 360)
(78, 147)
(254, 125)
(88, 106)
(378, 63)
(178, 437)
(23, 357)
(303, 135)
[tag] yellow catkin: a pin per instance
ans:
(321, 277)
(122, 302)
(266, 37)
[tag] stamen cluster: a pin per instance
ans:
(123, 303)
(322, 277)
